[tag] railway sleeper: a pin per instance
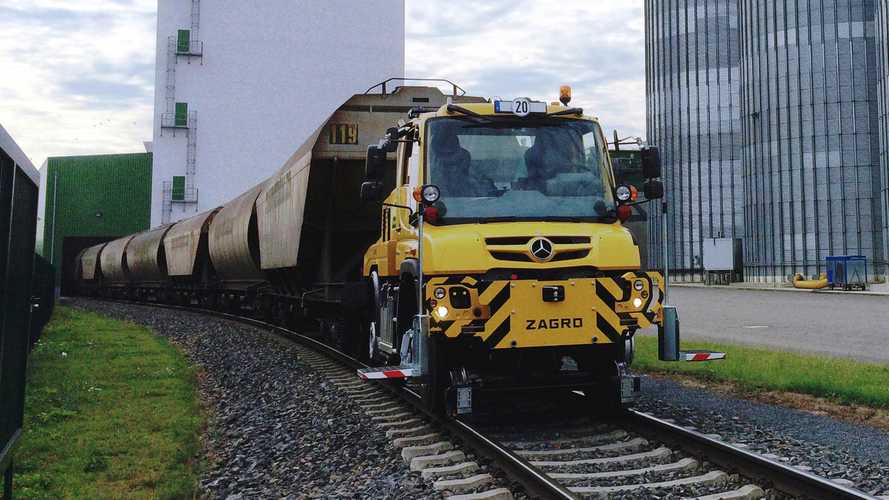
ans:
(631, 445)
(748, 492)
(463, 485)
(391, 418)
(658, 455)
(686, 464)
(447, 458)
(410, 431)
(616, 435)
(408, 453)
(401, 423)
(496, 494)
(416, 440)
(448, 471)
(710, 478)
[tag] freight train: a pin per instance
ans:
(526, 277)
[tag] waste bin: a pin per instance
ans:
(847, 271)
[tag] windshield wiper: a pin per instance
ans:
(453, 108)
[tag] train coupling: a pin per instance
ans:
(668, 341)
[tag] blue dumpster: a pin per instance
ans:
(847, 271)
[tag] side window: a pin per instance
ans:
(591, 149)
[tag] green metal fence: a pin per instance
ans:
(18, 224)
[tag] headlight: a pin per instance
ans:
(638, 285)
(623, 193)
(440, 293)
(431, 194)
(637, 302)
(442, 312)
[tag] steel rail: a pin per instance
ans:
(787, 479)
(536, 483)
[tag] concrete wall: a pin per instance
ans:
(269, 74)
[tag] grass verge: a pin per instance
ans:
(758, 369)
(111, 411)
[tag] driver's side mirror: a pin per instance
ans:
(651, 162)
(375, 166)
(371, 191)
(653, 189)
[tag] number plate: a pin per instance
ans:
(519, 107)
(343, 133)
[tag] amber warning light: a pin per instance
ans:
(565, 94)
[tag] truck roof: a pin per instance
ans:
(488, 108)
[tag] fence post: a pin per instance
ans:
(7, 482)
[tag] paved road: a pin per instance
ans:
(839, 325)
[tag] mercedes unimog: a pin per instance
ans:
(526, 277)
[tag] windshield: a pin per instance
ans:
(548, 169)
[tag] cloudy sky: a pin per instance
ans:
(77, 77)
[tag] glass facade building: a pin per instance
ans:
(882, 33)
(693, 97)
(805, 131)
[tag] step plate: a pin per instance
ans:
(385, 372)
(696, 356)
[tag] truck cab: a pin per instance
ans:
(526, 275)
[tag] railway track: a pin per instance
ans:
(636, 455)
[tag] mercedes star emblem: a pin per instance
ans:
(541, 249)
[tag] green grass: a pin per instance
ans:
(758, 369)
(111, 411)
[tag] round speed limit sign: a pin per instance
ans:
(521, 107)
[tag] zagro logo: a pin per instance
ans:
(553, 324)
(541, 249)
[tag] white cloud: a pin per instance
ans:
(78, 74)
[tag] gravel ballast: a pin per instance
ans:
(830, 447)
(276, 427)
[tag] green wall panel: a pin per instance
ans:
(95, 196)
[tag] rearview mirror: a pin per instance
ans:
(371, 191)
(653, 190)
(376, 163)
(651, 163)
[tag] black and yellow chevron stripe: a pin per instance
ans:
(493, 325)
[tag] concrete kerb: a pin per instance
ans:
(871, 293)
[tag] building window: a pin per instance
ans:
(181, 114)
(183, 45)
(178, 188)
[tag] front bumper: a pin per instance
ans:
(508, 314)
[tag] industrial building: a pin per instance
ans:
(882, 34)
(87, 200)
(240, 85)
(789, 92)
(693, 111)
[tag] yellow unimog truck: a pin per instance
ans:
(526, 277)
